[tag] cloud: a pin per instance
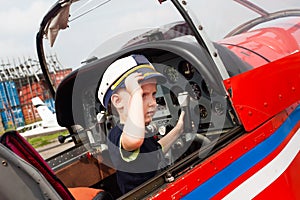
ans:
(19, 24)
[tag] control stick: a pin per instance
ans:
(184, 102)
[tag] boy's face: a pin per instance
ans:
(149, 99)
(122, 101)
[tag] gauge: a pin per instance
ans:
(202, 111)
(194, 90)
(172, 74)
(162, 130)
(218, 108)
(186, 69)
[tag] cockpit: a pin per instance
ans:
(196, 69)
(188, 80)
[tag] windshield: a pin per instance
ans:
(102, 27)
(97, 28)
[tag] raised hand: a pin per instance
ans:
(132, 82)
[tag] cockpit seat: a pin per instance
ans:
(23, 151)
(85, 193)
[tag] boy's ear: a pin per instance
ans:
(116, 100)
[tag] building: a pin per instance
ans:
(20, 81)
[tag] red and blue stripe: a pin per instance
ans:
(235, 179)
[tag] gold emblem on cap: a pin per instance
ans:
(129, 72)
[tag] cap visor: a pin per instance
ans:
(160, 78)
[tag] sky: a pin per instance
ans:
(19, 22)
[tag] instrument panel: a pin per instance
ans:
(183, 76)
(206, 107)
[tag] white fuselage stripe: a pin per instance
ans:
(268, 174)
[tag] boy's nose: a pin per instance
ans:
(152, 102)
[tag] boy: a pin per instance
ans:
(128, 86)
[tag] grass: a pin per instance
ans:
(40, 141)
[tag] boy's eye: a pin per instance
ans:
(145, 95)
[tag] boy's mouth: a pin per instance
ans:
(150, 113)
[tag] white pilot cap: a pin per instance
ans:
(115, 75)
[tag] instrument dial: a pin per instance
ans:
(194, 90)
(162, 130)
(172, 74)
(186, 69)
(203, 112)
(218, 108)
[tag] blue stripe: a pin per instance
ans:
(215, 184)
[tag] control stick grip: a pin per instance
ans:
(184, 102)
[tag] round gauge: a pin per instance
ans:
(186, 69)
(172, 74)
(218, 108)
(162, 130)
(202, 111)
(194, 90)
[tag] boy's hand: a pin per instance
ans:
(132, 82)
(180, 123)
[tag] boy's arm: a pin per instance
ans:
(167, 141)
(134, 128)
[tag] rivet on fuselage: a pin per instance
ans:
(293, 89)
